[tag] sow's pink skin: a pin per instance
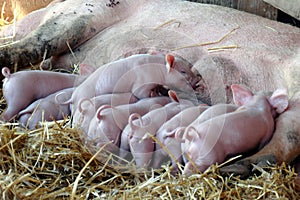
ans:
(22, 88)
(45, 109)
(134, 136)
(109, 122)
(138, 74)
(249, 127)
(87, 107)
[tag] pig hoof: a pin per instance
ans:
(244, 168)
(235, 169)
(264, 161)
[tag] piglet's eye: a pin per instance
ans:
(183, 72)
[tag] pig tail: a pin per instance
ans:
(6, 72)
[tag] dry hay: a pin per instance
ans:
(52, 163)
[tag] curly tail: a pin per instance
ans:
(6, 72)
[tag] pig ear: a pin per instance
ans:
(85, 69)
(191, 134)
(279, 100)
(172, 94)
(241, 94)
(99, 116)
(170, 59)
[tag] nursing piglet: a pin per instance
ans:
(87, 107)
(247, 128)
(109, 122)
(45, 109)
(23, 87)
(166, 136)
(283, 147)
(138, 74)
(134, 136)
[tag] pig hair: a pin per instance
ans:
(6, 72)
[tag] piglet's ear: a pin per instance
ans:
(241, 94)
(170, 59)
(172, 94)
(279, 100)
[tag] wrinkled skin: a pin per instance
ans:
(166, 136)
(45, 109)
(109, 122)
(265, 59)
(139, 74)
(247, 128)
(134, 136)
(87, 107)
(19, 92)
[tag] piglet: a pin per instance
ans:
(23, 87)
(138, 74)
(87, 107)
(45, 109)
(109, 122)
(134, 136)
(166, 136)
(283, 147)
(247, 128)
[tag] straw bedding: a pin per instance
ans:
(52, 163)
